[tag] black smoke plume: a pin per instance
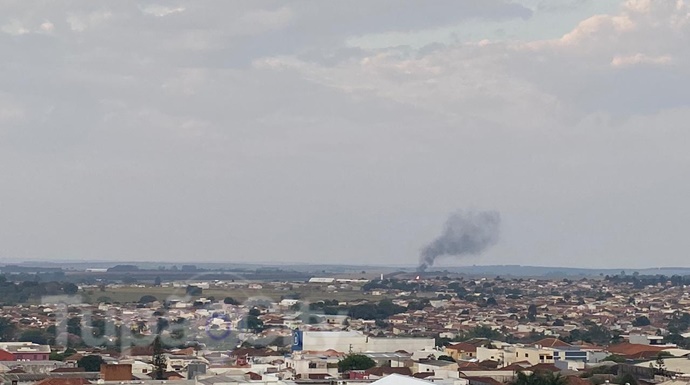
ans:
(465, 233)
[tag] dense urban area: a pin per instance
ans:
(129, 325)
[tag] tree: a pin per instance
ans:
(418, 305)
(446, 358)
(157, 281)
(147, 299)
(7, 329)
(539, 378)
(679, 323)
(36, 336)
(193, 290)
(627, 379)
(614, 358)
(70, 288)
(57, 356)
(677, 339)
(254, 312)
(230, 301)
(161, 324)
(482, 332)
(641, 321)
(355, 362)
(594, 334)
(90, 363)
(442, 341)
(660, 365)
(532, 312)
(74, 326)
(371, 311)
(98, 327)
(158, 360)
(253, 323)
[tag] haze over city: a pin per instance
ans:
(345, 132)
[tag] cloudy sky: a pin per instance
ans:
(344, 132)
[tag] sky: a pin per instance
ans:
(344, 132)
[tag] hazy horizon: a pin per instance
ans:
(411, 266)
(345, 133)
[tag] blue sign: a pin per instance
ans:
(297, 344)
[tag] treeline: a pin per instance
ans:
(594, 334)
(397, 284)
(460, 288)
(12, 293)
(368, 311)
(130, 268)
(640, 281)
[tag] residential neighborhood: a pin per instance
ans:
(440, 329)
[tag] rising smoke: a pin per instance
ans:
(465, 233)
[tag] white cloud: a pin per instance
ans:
(199, 133)
(161, 10)
(599, 26)
(519, 76)
(47, 27)
(639, 58)
(15, 28)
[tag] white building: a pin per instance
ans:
(321, 280)
(306, 363)
(357, 342)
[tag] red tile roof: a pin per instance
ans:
(385, 370)
(63, 381)
(463, 347)
(517, 366)
(635, 351)
(544, 368)
(485, 380)
(469, 365)
(552, 343)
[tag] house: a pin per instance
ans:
(461, 351)
(382, 371)
(533, 354)
(398, 379)
(306, 364)
(116, 372)
(435, 366)
(24, 351)
(635, 351)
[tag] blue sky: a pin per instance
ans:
(549, 20)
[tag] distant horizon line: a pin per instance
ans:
(6, 262)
